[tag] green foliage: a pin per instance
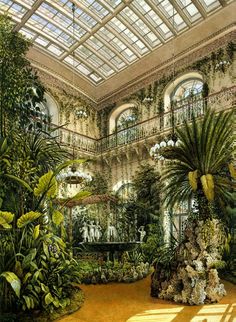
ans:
(57, 217)
(205, 150)
(150, 248)
(27, 218)
(147, 188)
(98, 185)
(47, 184)
(20, 88)
(165, 258)
(14, 281)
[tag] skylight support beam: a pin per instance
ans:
(200, 8)
(127, 44)
(135, 32)
(100, 56)
(85, 9)
(112, 49)
(162, 16)
(28, 14)
(145, 20)
(180, 12)
(66, 13)
(96, 28)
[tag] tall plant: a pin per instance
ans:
(147, 188)
(201, 165)
(20, 88)
(36, 270)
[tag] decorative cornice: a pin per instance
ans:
(154, 74)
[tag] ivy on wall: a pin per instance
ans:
(218, 61)
(69, 104)
(103, 119)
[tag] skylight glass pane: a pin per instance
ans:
(47, 10)
(95, 60)
(117, 24)
(55, 50)
(17, 10)
(89, 21)
(42, 41)
(119, 63)
(107, 70)
(95, 77)
(79, 31)
(105, 34)
(37, 21)
(210, 5)
(128, 14)
(94, 42)
(5, 4)
(114, 3)
(27, 33)
(96, 8)
(69, 60)
(84, 69)
(63, 20)
(192, 10)
(66, 39)
(83, 51)
(29, 2)
(128, 54)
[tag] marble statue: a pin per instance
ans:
(85, 232)
(142, 233)
(91, 231)
(97, 231)
(111, 233)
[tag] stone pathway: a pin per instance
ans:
(132, 303)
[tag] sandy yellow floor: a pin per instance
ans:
(132, 303)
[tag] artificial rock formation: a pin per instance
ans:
(193, 276)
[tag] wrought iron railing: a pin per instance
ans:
(224, 99)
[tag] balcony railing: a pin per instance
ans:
(224, 99)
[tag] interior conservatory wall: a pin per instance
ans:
(124, 160)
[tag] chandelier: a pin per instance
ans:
(81, 113)
(162, 149)
(74, 176)
(159, 150)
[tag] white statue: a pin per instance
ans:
(85, 232)
(111, 232)
(142, 233)
(91, 231)
(97, 231)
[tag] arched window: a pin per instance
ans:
(182, 89)
(125, 191)
(183, 98)
(187, 89)
(116, 114)
(44, 113)
(126, 118)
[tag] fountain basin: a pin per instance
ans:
(100, 247)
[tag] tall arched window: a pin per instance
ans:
(183, 98)
(188, 88)
(183, 88)
(44, 113)
(126, 118)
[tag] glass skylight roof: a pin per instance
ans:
(105, 36)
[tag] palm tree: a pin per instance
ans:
(198, 167)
